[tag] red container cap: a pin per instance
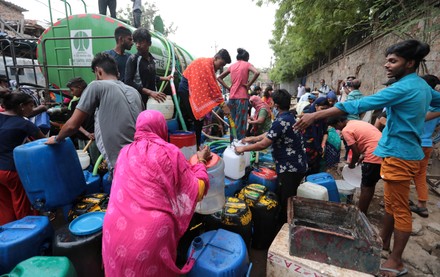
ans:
(212, 162)
(266, 173)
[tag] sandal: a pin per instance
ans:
(423, 212)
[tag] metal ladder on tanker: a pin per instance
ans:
(62, 46)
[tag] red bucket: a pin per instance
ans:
(186, 141)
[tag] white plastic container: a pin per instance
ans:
(84, 158)
(166, 108)
(214, 200)
(234, 164)
(247, 155)
(352, 176)
(312, 191)
(346, 191)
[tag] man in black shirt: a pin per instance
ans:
(140, 71)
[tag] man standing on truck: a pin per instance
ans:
(111, 4)
(115, 120)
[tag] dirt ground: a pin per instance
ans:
(422, 254)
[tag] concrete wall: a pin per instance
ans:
(366, 62)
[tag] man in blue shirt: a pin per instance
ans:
(124, 41)
(407, 102)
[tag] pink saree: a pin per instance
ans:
(153, 197)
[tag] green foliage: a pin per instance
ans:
(307, 30)
(149, 12)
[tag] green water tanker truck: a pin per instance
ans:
(66, 49)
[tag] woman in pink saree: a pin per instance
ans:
(153, 197)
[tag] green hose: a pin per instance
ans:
(98, 162)
(170, 49)
(233, 129)
(167, 68)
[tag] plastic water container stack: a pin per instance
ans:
(326, 180)
(235, 217)
(265, 208)
(322, 186)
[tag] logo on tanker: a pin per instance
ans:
(82, 48)
(81, 44)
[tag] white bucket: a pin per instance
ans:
(312, 191)
(234, 164)
(352, 176)
(84, 158)
(346, 191)
(166, 108)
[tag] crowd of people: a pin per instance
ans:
(407, 101)
(153, 182)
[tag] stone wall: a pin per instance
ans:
(366, 62)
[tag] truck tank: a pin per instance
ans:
(66, 49)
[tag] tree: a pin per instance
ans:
(149, 12)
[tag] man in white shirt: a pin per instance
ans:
(324, 89)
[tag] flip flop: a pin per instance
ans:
(396, 271)
(423, 212)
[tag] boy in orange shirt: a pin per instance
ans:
(362, 139)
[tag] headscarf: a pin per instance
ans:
(318, 102)
(259, 104)
(204, 91)
(332, 95)
(151, 124)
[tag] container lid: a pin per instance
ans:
(182, 133)
(344, 187)
(352, 176)
(87, 224)
(212, 162)
(264, 172)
